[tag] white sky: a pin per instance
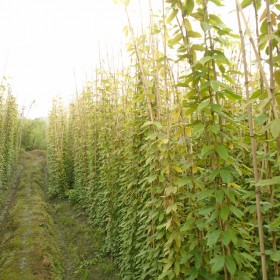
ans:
(43, 42)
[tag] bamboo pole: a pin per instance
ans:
(249, 33)
(253, 147)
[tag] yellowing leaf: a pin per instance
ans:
(194, 169)
(263, 16)
(277, 76)
(188, 131)
(177, 168)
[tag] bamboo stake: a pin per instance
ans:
(144, 78)
(249, 33)
(272, 88)
(254, 149)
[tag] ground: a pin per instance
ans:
(46, 239)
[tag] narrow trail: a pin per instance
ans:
(27, 245)
(42, 239)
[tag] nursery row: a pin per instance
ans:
(9, 133)
(176, 157)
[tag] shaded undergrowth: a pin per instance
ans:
(81, 244)
(46, 239)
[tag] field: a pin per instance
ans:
(172, 161)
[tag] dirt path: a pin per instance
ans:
(27, 245)
(46, 240)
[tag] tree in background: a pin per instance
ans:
(34, 134)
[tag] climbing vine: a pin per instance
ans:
(9, 133)
(175, 158)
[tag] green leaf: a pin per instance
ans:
(261, 119)
(215, 20)
(172, 207)
(198, 47)
(175, 40)
(237, 212)
(194, 34)
(222, 151)
(198, 128)
(275, 128)
(217, 108)
(152, 178)
(221, 58)
(215, 85)
(205, 26)
(248, 257)
(177, 268)
(232, 235)
(204, 59)
(220, 195)
(231, 193)
(277, 74)
(168, 223)
(224, 213)
(215, 128)
(167, 265)
(206, 150)
(226, 175)
(230, 264)
(275, 223)
(189, 224)
(264, 27)
(217, 2)
(190, 6)
(214, 174)
(225, 237)
(180, 182)
(197, 259)
(269, 182)
(275, 256)
(212, 237)
(172, 16)
(217, 263)
(246, 3)
(203, 105)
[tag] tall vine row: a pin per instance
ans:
(9, 133)
(176, 157)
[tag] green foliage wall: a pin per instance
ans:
(9, 133)
(169, 157)
(34, 134)
(56, 150)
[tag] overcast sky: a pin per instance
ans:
(44, 42)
